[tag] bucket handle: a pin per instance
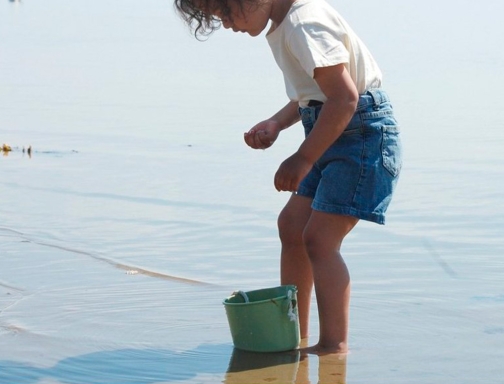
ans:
(290, 300)
(242, 294)
(292, 305)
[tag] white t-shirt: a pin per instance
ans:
(313, 35)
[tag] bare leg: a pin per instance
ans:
(323, 236)
(295, 265)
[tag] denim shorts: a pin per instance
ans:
(358, 173)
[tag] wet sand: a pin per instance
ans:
(69, 318)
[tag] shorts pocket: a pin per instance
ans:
(391, 149)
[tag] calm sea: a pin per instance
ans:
(139, 208)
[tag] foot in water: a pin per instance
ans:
(321, 349)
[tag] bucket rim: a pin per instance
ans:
(281, 297)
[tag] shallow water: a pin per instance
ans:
(140, 210)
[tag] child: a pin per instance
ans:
(347, 166)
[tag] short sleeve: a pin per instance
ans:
(315, 46)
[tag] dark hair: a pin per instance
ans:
(198, 15)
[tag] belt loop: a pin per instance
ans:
(377, 97)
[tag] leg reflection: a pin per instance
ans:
(284, 368)
(332, 368)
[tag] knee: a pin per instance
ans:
(324, 235)
(312, 242)
(290, 230)
(318, 244)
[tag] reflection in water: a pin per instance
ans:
(6, 148)
(150, 366)
(332, 369)
(134, 366)
(284, 368)
(28, 150)
(253, 367)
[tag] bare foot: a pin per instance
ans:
(321, 350)
(303, 343)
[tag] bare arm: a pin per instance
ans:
(264, 134)
(342, 97)
(288, 115)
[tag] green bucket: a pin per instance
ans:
(264, 320)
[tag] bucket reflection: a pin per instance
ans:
(255, 367)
